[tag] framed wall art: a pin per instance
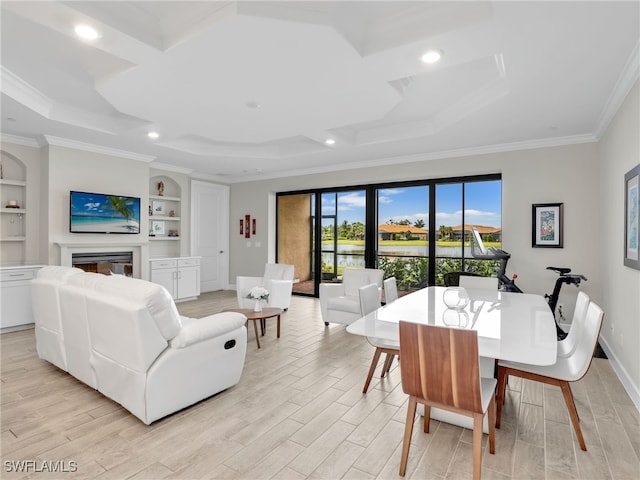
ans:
(546, 225)
(157, 227)
(159, 208)
(631, 222)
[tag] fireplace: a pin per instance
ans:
(137, 251)
(107, 263)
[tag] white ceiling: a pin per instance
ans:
(513, 75)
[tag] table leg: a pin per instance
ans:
(278, 326)
(255, 328)
(263, 325)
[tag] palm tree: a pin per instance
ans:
(419, 223)
(120, 205)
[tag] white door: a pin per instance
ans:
(210, 233)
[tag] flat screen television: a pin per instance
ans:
(101, 213)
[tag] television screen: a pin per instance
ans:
(100, 213)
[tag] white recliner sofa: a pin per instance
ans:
(277, 279)
(45, 298)
(340, 302)
(125, 338)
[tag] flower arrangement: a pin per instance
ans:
(259, 293)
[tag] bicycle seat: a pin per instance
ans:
(560, 270)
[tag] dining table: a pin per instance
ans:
(518, 327)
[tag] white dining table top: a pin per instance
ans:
(518, 327)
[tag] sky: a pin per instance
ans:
(483, 204)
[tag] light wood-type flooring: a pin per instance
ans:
(299, 412)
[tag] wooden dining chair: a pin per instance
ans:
(440, 368)
(565, 370)
(370, 301)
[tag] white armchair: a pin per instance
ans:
(277, 279)
(340, 302)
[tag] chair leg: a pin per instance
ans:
(477, 445)
(427, 418)
(372, 369)
(387, 364)
(573, 413)
(492, 423)
(502, 387)
(408, 431)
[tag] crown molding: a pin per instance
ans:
(88, 147)
(15, 139)
(628, 77)
(22, 92)
(419, 157)
(171, 168)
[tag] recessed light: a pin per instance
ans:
(330, 141)
(153, 135)
(432, 56)
(86, 32)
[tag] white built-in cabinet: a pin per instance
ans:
(179, 275)
(15, 296)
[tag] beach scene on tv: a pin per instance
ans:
(99, 213)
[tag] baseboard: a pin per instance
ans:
(625, 379)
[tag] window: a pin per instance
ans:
(415, 231)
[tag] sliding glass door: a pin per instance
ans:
(415, 231)
(403, 236)
(343, 242)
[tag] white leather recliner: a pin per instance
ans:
(124, 337)
(340, 302)
(277, 279)
(45, 297)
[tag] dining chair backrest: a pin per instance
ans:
(441, 365)
(390, 290)
(578, 363)
(567, 346)
(369, 298)
(479, 283)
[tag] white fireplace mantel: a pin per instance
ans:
(68, 249)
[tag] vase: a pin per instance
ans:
(257, 307)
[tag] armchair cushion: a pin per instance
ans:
(197, 330)
(277, 279)
(340, 302)
(345, 304)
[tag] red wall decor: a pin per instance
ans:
(247, 232)
(241, 227)
(253, 226)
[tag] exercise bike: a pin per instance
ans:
(507, 284)
(565, 277)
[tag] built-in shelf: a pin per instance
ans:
(13, 191)
(164, 217)
(17, 183)
(164, 197)
(161, 238)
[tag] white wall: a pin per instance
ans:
(71, 169)
(619, 152)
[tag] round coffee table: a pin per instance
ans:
(258, 316)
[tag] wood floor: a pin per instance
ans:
(298, 412)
